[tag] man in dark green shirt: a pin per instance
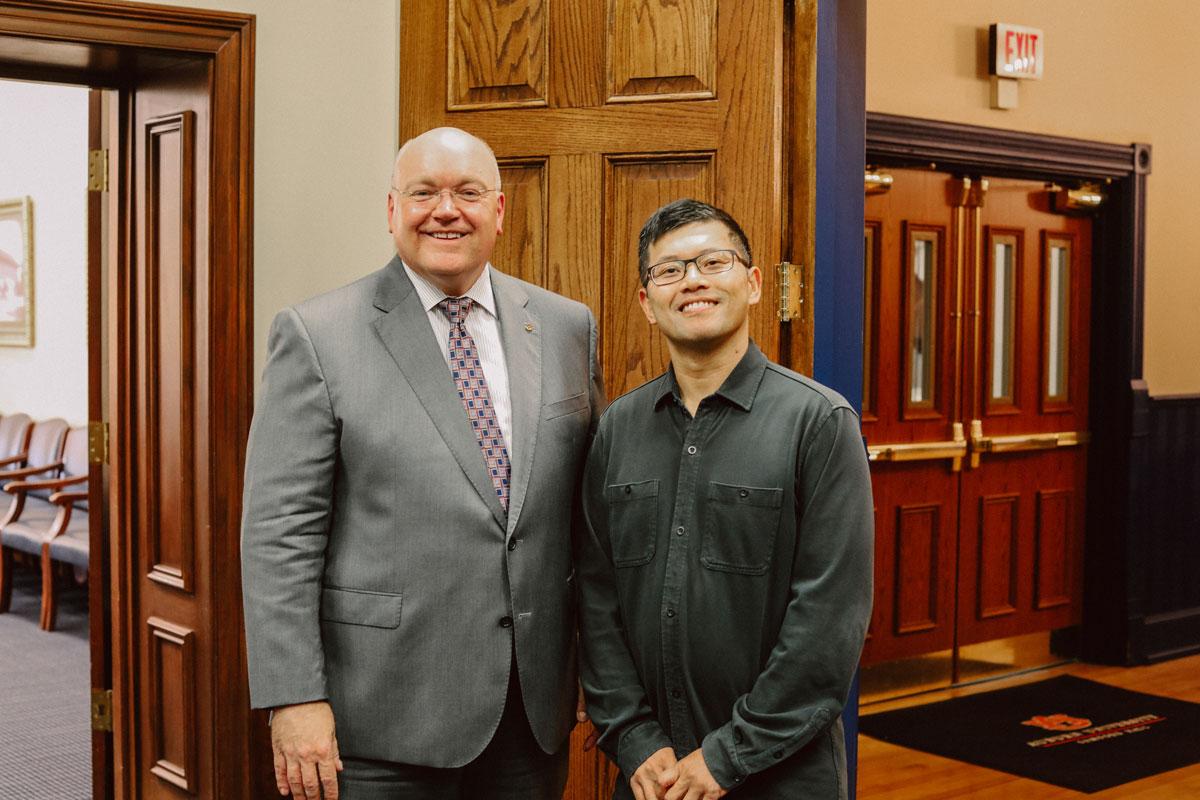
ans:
(725, 573)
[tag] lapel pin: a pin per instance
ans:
(529, 327)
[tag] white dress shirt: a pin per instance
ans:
(483, 323)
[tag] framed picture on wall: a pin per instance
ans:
(16, 272)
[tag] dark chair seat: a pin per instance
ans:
(32, 529)
(71, 546)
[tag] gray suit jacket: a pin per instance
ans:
(377, 561)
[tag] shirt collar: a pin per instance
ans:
(739, 387)
(480, 292)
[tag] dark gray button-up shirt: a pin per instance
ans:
(725, 578)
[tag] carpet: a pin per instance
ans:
(1065, 731)
(45, 696)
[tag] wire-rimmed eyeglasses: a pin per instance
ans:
(711, 263)
(424, 197)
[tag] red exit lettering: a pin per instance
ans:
(1020, 51)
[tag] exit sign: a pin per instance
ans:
(1015, 51)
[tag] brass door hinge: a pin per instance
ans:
(102, 719)
(98, 442)
(791, 290)
(97, 170)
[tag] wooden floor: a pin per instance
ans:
(897, 773)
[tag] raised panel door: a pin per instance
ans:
(599, 112)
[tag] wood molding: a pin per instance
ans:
(957, 147)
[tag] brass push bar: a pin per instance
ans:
(955, 450)
(1021, 441)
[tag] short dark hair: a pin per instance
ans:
(676, 215)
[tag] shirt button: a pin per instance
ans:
(506, 622)
(691, 449)
(679, 531)
(670, 612)
(512, 545)
(743, 493)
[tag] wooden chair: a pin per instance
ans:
(68, 535)
(14, 439)
(44, 458)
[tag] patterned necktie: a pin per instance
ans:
(472, 388)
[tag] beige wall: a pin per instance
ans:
(1115, 71)
(325, 127)
(43, 154)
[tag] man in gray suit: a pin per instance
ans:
(411, 486)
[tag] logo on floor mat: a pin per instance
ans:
(1058, 722)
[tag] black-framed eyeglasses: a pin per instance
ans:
(711, 263)
(459, 196)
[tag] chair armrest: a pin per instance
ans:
(11, 474)
(17, 459)
(68, 498)
(51, 483)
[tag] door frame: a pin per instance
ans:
(110, 45)
(1112, 616)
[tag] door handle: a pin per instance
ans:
(954, 449)
(1021, 441)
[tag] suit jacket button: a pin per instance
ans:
(506, 622)
(512, 545)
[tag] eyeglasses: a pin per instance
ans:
(425, 197)
(711, 263)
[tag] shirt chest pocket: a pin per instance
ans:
(632, 521)
(740, 528)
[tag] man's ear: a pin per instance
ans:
(499, 213)
(754, 276)
(644, 302)
(391, 211)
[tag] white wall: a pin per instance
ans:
(326, 116)
(43, 154)
(1115, 71)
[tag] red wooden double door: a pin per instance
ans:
(975, 410)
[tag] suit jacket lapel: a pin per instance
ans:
(406, 334)
(521, 336)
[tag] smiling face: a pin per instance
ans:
(701, 313)
(446, 241)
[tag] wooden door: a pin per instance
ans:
(1022, 500)
(171, 563)
(599, 112)
(975, 409)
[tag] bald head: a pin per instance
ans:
(445, 208)
(447, 142)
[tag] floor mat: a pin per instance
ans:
(1066, 731)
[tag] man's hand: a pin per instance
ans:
(655, 775)
(581, 716)
(694, 781)
(306, 751)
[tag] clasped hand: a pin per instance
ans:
(662, 777)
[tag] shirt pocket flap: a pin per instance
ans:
(745, 495)
(361, 607)
(624, 492)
